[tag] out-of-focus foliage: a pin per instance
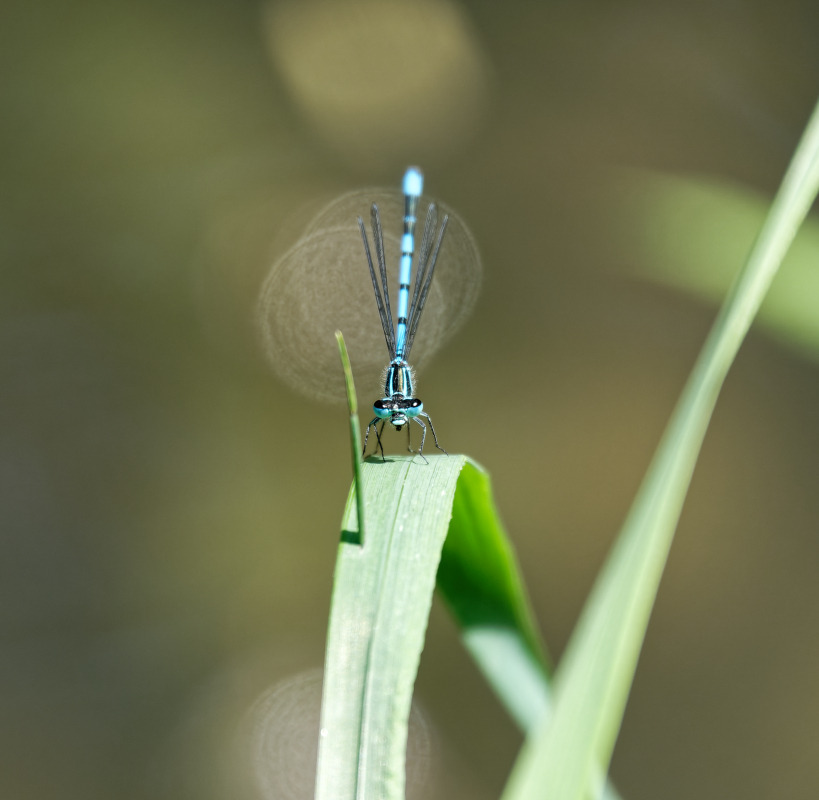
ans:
(693, 232)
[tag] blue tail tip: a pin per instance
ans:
(413, 182)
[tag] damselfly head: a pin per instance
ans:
(397, 410)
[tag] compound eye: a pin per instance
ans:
(414, 407)
(381, 409)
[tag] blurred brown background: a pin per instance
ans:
(170, 510)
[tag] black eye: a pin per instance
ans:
(415, 403)
(380, 404)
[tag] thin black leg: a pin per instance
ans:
(367, 437)
(435, 438)
(378, 432)
(379, 446)
(409, 440)
(423, 438)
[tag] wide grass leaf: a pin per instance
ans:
(381, 600)
(382, 596)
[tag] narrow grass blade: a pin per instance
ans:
(357, 535)
(568, 753)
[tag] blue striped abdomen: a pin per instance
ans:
(413, 186)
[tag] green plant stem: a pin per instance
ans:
(355, 434)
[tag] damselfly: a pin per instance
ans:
(316, 285)
(399, 406)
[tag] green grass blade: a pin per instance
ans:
(355, 434)
(480, 581)
(565, 758)
(381, 601)
(382, 595)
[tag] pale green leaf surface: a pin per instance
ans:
(381, 600)
(562, 758)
